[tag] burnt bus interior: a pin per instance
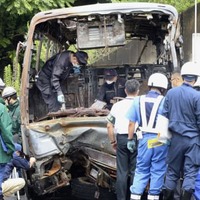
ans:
(136, 40)
(140, 43)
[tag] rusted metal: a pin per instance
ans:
(79, 112)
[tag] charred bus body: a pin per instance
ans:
(136, 39)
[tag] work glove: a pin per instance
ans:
(61, 98)
(131, 145)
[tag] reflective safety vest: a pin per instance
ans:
(148, 127)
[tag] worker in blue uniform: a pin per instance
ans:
(151, 165)
(182, 108)
(197, 182)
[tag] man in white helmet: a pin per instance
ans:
(151, 157)
(182, 108)
(9, 94)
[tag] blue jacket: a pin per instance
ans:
(182, 108)
(18, 162)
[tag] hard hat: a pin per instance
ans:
(158, 80)
(2, 84)
(191, 69)
(82, 57)
(8, 91)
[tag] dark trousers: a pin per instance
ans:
(126, 162)
(177, 191)
(52, 102)
(49, 96)
(183, 155)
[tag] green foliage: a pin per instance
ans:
(8, 75)
(4, 42)
(22, 7)
(12, 75)
(16, 75)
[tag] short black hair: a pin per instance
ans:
(132, 86)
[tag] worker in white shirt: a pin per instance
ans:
(118, 122)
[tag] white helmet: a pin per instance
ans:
(8, 91)
(158, 80)
(190, 68)
(2, 84)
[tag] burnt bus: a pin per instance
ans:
(72, 147)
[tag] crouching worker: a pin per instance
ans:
(151, 156)
(19, 161)
(12, 185)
